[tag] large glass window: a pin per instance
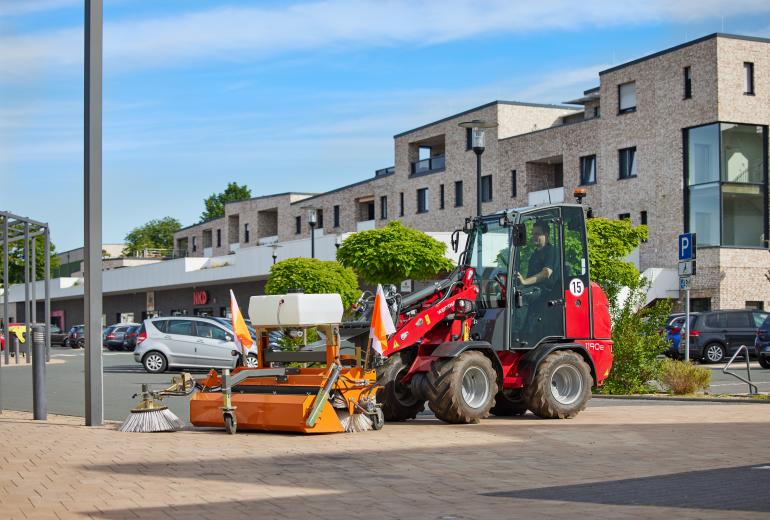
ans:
(727, 186)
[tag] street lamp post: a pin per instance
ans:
(312, 218)
(477, 127)
(275, 252)
(338, 241)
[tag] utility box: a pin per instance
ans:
(295, 310)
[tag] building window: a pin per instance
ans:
(588, 170)
(726, 179)
(596, 111)
(624, 216)
(687, 83)
(458, 194)
(469, 138)
(194, 244)
(748, 78)
(297, 225)
(422, 200)
(401, 204)
(627, 98)
(336, 212)
(441, 197)
(643, 218)
(384, 207)
(486, 188)
(319, 215)
(627, 161)
(757, 306)
(513, 183)
(246, 233)
(219, 238)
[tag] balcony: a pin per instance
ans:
(546, 196)
(430, 165)
(384, 171)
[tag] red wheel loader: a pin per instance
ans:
(517, 326)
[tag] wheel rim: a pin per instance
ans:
(714, 353)
(403, 393)
(566, 384)
(154, 362)
(251, 361)
(475, 387)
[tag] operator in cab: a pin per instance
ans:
(544, 258)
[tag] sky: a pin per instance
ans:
(288, 96)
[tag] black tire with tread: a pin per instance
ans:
(705, 358)
(445, 385)
(763, 361)
(231, 426)
(539, 396)
(506, 406)
(394, 408)
(163, 367)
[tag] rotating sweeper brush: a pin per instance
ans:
(324, 390)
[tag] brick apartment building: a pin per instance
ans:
(677, 140)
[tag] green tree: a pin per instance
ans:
(393, 253)
(16, 261)
(609, 243)
(215, 203)
(156, 234)
(314, 277)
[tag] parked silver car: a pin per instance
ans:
(182, 342)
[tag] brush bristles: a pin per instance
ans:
(162, 420)
(358, 422)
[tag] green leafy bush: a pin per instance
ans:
(682, 377)
(639, 337)
(314, 277)
(393, 254)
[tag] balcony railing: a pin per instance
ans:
(384, 171)
(433, 164)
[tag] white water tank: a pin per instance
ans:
(295, 310)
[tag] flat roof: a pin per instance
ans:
(492, 103)
(684, 45)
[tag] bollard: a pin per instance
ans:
(39, 403)
(16, 349)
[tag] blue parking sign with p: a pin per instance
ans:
(686, 246)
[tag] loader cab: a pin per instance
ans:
(531, 268)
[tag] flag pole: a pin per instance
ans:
(368, 350)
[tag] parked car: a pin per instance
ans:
(129, 341)
(76, 337)
(58, 336)
(116, 337)
(715, 335)
(674, 325)
(762, 343)
(165, 343)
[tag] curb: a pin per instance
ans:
(723, 400)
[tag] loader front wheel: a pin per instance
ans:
(397, 400)
(561, 387)
(463, 388)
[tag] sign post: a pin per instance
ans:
(686, 272)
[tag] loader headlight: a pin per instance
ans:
(464, 308)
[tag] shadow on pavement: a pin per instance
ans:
(709, 489)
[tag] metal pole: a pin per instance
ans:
(92, 162)
(47, 287)
(686, 327)
(39, 404)
(27, 327)
(6, 291)
(312, 240)
(33, 278)
(478, 151)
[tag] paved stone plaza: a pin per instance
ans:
(626, 461)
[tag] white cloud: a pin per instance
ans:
(248, 33)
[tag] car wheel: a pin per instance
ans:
(763, 361)
(251, 361)
(154, 362)
(81, 343)
(713, 353)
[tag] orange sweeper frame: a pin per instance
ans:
(330, 396)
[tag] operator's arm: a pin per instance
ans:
(544, 274)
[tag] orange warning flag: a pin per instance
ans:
(242, 336)
(382, 323)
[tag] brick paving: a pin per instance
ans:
(683, 461)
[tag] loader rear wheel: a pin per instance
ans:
(508, 404)
(463, 388)
(397, 400)
(561, 387)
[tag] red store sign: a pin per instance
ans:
(200, 297)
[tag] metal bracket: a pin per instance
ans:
(753, 390)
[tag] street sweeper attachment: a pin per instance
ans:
(313, 389)
(151, 415)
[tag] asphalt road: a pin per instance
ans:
(123, 377)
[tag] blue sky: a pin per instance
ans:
(288, 96)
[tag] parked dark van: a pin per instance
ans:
(718, 334)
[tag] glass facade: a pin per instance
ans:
(726, 175)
